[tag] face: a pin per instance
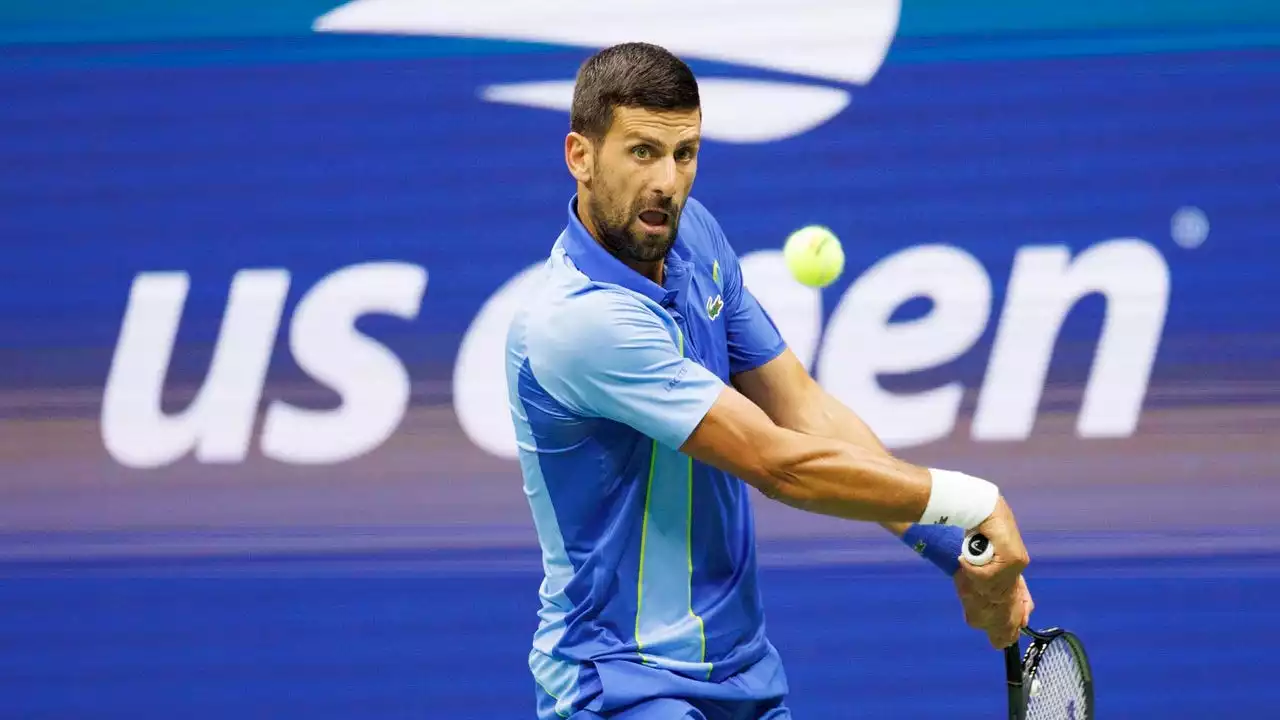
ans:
(635, 181)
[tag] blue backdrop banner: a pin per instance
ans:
(260, 259)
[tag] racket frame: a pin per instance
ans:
(1021, 669)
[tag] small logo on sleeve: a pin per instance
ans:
(684, 368)
(714, 306)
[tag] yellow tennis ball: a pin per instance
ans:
(814, 256)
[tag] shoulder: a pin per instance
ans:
(579, 328)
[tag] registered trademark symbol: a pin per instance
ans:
(1189, 227)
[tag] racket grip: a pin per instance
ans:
(945, 545)
(978, 550)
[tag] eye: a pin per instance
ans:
(642, 152)
(685, 154)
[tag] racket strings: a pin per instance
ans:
(1058, 690)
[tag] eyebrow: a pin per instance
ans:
(633, 137)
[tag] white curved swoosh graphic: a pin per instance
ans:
(839, 42)
(842, 41)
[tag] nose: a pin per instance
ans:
(665, 177)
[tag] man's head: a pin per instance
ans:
(633, 147)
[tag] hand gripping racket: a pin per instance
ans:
(1052, 680)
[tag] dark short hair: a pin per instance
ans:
(637, 75)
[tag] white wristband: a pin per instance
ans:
(959, 499)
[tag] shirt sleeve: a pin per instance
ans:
(611, 357)
(753, 338)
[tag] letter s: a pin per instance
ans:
(372, 381)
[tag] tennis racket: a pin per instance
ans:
(1052, 680)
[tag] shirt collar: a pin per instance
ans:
(598, 264)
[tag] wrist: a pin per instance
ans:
(939, 544)
(958, 499)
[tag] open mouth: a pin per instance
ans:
(655, 219)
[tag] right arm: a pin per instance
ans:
(808, 472)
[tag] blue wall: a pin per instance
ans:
(402, 582)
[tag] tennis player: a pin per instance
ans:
(648, 389)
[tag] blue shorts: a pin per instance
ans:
(673, 709)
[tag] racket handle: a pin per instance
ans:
(977, 550)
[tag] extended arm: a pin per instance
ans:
(784, 390)
(806, 470)
(785, 436)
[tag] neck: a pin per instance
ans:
(651, 269)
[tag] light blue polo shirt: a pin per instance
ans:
(649, 556)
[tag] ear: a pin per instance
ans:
(579, 156)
